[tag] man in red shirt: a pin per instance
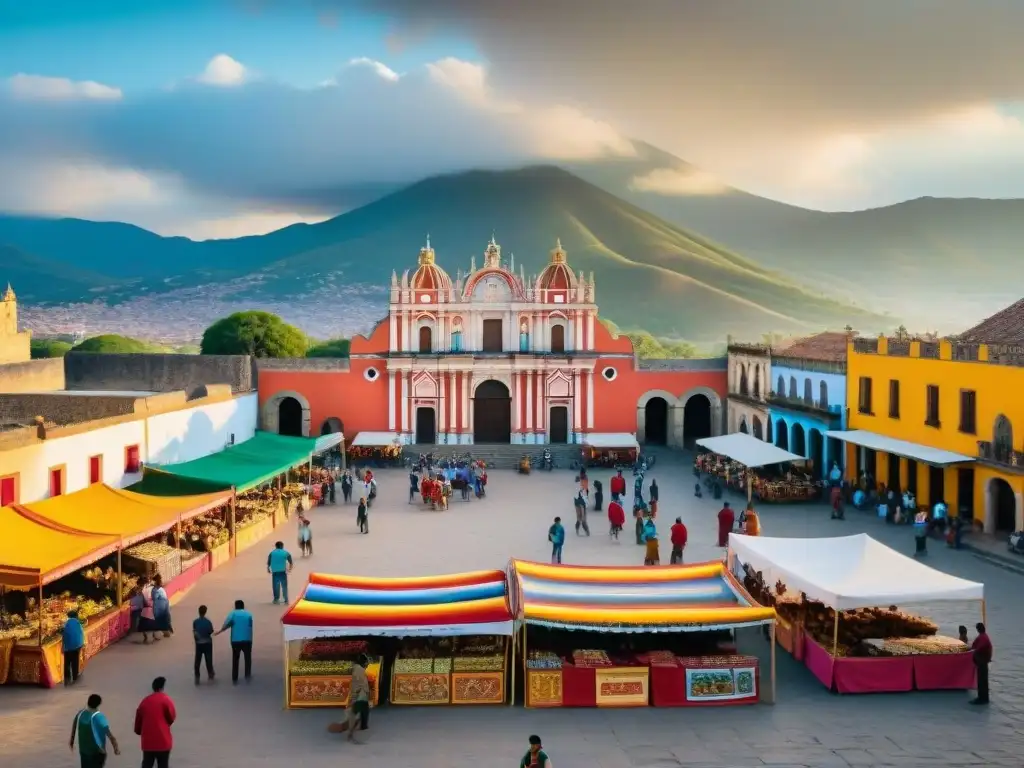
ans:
(153, 720)
(618, 486)
(982, 647)
(678, 533)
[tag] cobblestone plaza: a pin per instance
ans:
(225, 726)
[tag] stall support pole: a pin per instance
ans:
(984, 617)
(774, 623)
(287, 682)
(750, 487)
(526, 673)
(835, 635)
(234, 542)
(310, 475)
(177, 543)
(510, 660)
(120, 578)
(41, 612)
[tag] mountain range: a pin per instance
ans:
(692, 266)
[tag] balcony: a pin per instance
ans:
(1000, 455)
(799, 404)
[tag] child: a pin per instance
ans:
(305, 537)
(556, 535)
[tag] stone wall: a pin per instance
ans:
(32, 376)
(58, 408)
(158, 373)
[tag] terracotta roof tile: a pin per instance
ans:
(1005, 327)
(826, 347)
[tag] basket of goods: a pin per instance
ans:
(442, 665)
(587, 658)
(417, 666)
(152, 557)
(321, 667)
(921, 646)
(543, 660)
(479, 663)
(293, 490)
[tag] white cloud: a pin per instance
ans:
(382, 70)
(77, 187)
(223, 71)
(679, 182)
(237, 225)
(38, 87)
(555, 132)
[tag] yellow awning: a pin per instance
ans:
(31, 554)
(102, 510)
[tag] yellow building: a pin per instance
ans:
(15, 345)
(937, 418)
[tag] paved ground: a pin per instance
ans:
(229, 727)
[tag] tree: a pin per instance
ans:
(111, 344)
(330, 348)
(648, 347)
(255, 333)
(43, 348)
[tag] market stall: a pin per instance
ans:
(432, 640)
(375, 449)
(256, 469)
(756, 468)
(33, 605)
(177, 537)
(610, 449)
(839, 598)
(630, 637)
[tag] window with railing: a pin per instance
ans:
(968, 411)
(931, 417)
(894, 399)
(864, 395)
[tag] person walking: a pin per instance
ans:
(305, 538)
(279, 564)
(153, 721)
(239, 621)
(618, 486)
(414, 485)
(362, 519)
(580, 502)
(72, 642)
(202, 633)
(359, 697)
(598, 495)
(147, 618)
(92, 729)
(616, 519)
(162, 607)
(331, 488)
(535, 756)
(920, 533)
(726, 520)
(346, 487)
(678, 535)
(556, 535)
(982, 649)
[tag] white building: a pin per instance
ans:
(41, 461)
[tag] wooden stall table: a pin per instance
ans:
(247, 536)
(622, 686)
(544, 688)
(306, 691)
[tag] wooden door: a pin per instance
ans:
(493, 341)
(559, 425)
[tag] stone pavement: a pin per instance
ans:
(221, 726)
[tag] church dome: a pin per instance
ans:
(556, 275)
(428, 276)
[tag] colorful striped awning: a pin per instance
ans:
(670, 598)
(331, 605)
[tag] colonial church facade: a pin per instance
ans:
(494, 356)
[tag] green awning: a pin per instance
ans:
(243, 466)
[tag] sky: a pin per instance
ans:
(221, 118)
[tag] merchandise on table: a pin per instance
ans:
(151, 558)
(204, 533)
(915, 646)
(24, 628)
(587, 658)
(792, 487)
(543, 660)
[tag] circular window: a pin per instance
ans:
(424, 298)
(609, 373)
(371, 374)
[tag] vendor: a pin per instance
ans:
(650, 537)
(752, 526)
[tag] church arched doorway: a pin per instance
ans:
(289, 417)
(758, 428)
(696, 419)
(656, 421)
(1003, 503)
(782, 434)
(492, 413)
(799, 446)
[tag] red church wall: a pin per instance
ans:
(615, 402)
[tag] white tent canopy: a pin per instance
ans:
(611, 440)
(849, 571)
(923, 453)
(747, 450)
(376, 439)
(325, 442)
